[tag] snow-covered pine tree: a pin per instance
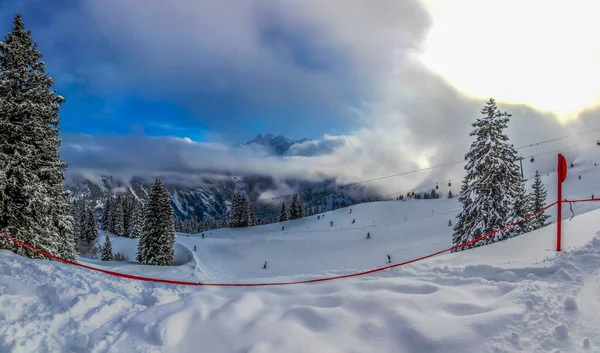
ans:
(244, 205)
(126, 204)
(538, 201)
(34, 207)
(132, 217)
(236, 212)
(118, 217)
(206, 225)
(191, 225)
(521, 207)
(252, 221)
(179, 225)
(212, 223)
(107, 214)
(107, 254)
(301, 208)
(223, 221)
(78, 212)
(157, 240)
(91, 227)
(465, 217)
(136, 220)
(295, 208)
(493, 179)
(65, 223)
(283, 214)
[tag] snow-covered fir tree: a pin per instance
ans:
(155, 246)
(538, 196)
(493, 181)
(521, 207)
(191, 225)
(283, 216)
(465, 217)
(239, 211)
(107, 254)
(134, 219)
(179, 225)
(118, 223)
(295, 208)
(126, 204)
(33, 203)
(252, 221)
(107, 214)
(89, 227)
(224, 223)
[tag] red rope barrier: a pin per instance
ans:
(148, 279)
(571, 202)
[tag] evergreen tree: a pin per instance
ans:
(118, 224)
(244, 205)
(295, 208)
(107, 214)
(224, 223)
(521, 206)
(538, 201)
(134, 218)
(65, 223)
(76, 211)
(252, 221)
(239, 212)
(107, 254)
(190, 225)
(493, 180)
(450, 194)
(90, 228)
(465, 217)
(34, 207)
(157, 240)
(126, 206)
(283, 214)
(179, 226)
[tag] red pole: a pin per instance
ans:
(559, 216)
(561, 172)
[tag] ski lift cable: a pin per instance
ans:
(557, 139)
(431, 168)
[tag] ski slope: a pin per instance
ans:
(515, 296)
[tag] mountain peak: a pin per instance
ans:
(278, 144)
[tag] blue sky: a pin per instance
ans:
(138, 78)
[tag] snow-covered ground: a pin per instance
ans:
(514, 296)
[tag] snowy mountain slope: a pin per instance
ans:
(514, 296)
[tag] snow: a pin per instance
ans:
(515, 296)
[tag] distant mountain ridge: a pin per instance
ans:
(277, 144)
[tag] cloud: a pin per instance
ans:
(314, 148)
(292, 65)
(289, 64)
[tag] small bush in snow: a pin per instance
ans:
(119, 257)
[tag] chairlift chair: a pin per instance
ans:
(532, 160)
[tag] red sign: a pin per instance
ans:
(561, 169)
